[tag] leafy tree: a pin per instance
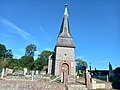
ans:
(42, 59)
(2, 50)
(30, 49)
(8, 54)
(5, 56)
(44, 56)
(17, 64)
(2, 63)
(10, 62)
(81, 63)
(38, 64)
(4, 53)
(26, 62)
(117, 70)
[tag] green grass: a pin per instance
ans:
(101, 79)
(115, 80)
(57, 80)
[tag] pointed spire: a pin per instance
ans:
(65, 30)
(66, 10)
(64, 37)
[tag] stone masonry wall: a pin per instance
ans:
(65, 54)
(61, 51)
(30, 85)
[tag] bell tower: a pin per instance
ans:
(63, 59)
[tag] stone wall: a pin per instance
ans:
(30, 85)
(61, 51)
(100, 85)
(105, 85)
(65, 54)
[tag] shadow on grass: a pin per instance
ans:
(115, 81)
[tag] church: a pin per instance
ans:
(63, 58)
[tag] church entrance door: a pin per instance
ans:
(65, 71)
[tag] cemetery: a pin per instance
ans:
(56, 70)
(33, 80)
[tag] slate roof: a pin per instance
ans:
(64, 37)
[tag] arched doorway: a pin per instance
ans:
(65, 72)
(65, 68)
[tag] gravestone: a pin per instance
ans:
(36, 72)
(25, 71)
(18, 73)
(61, 77)
(3, 71)
(32, 74)
(9, 71)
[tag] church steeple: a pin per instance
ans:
(63, 56)
(64, 37)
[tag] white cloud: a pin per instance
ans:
(37, 52)
(106, 60)
(21, 50)
(48, 49)
(17, 56)
(21, 32)
(5, 35)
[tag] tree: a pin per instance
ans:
(2, 63)
(80, 62)
(27, 62)
(38, 64)
(2, 50)
(42, 59)
(5, 56)
(17, 64)
(30, 49)
(10, 62)
(117, 70)
(8, 53)
(44, 56)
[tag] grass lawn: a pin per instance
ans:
(115, 80)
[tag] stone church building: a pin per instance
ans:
(63, 58)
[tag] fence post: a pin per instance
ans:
(107, 78)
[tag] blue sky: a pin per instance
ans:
(94, 25)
